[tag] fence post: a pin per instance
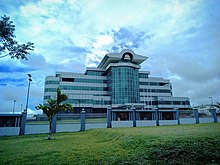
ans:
(109, 117)
(177, 115)
(23, 123)
(156, 116)
(133, 115)
(214, 115)
(196, 114)
(54, 124)
(83, 120)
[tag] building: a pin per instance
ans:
(117, 82)
(205, 109)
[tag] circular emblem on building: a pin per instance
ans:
(127, 56)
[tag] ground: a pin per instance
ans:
(179, 144)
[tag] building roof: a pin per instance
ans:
(117, 57)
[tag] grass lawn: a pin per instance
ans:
(179, 144)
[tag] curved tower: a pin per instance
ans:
(122, 76)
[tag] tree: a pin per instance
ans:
(8, 45)
(54, 106)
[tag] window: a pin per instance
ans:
(94, 73)
(50, 89)
(143, 75)
(90, 80)
(65, 87)
(46, 97)
(52, 82)
(68, 79)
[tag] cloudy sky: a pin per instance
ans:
(181, 39)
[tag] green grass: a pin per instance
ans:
(179, 144)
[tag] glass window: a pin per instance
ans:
(50, 89)
(90, 80)
(124, 86)
(65, 87)
(46, 97)
(143, 75)
(94, 73)
(51, 82)
(68, 79)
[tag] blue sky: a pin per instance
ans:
(181, 39)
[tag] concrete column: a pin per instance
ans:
(19, 121)
(113, 117)
(83, 120)
(16, 121)
(137, 115)
(23, 123)
(196, 114)
(177, 116)
(214, 115)
(159, 115)
(54, 124)
(133, 116)
(109, 117)
(156, 116)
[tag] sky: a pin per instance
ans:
(180, 38)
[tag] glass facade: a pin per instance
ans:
(156, 90)
(50, 90)
(87, 101)
(123, 85)
(154, 83)
(52, 82)
(143, 75)
(94, 73)
(66, 87)
(90, 80)
(80, 80)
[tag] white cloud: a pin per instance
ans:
(102, 41)
(32, 9)
(52, 1)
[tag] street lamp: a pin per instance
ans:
(14, 106)
(21, 107)
(211, 105)
(29, 82)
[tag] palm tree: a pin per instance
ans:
(53, 107)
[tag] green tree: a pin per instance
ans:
(53, 107)
(8, 45)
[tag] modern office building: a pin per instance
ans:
(117, 82)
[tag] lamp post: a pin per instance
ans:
(29, 82)
(14, 106)
(24, 114)
(21, 107)
(211, 105)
